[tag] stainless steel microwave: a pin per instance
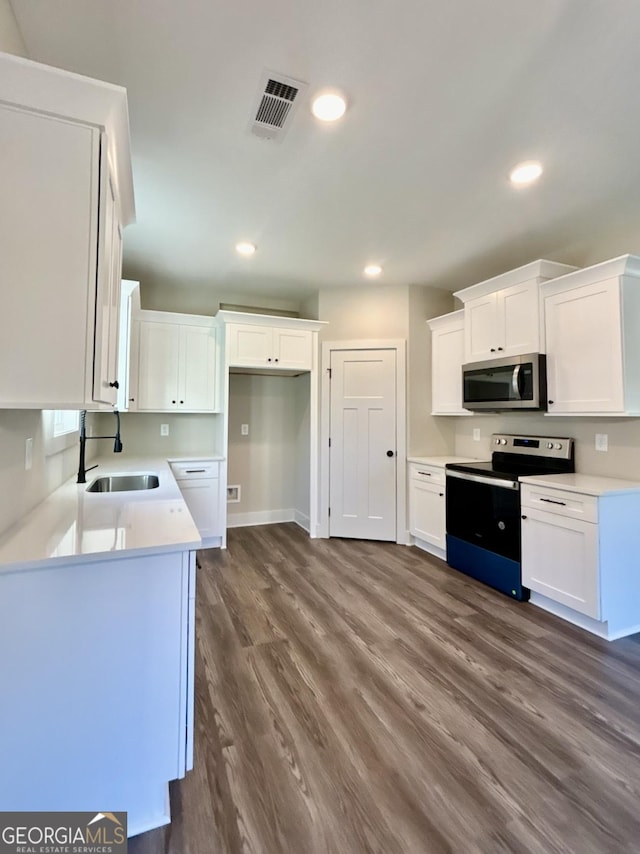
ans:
(513, 382)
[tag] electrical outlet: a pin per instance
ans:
(476, 434)
(602, 441)
(244, 429)
(28, 454)
(164, 429)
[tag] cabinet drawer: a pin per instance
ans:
(427, 473)
(195, 469)
(560, 502)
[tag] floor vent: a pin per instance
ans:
(278, 97)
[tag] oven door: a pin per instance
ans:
(484, 512)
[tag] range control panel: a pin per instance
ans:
(535, 446)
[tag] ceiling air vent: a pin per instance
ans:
(278, 98)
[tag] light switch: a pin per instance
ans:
(244, 429)
(476, 434)
(28, 454)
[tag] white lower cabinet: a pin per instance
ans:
(580, 542)
(427, 504)
(199, 483)
(98, 695)
(560, 559)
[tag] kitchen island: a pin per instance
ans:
(97, 600)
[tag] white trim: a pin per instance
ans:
(55, 444)
(540, 269)
(302, 520)
(400, 347)
(259, 517)
(427, 547)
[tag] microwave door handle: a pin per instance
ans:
(515, 382)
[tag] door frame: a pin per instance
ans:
(399, 345)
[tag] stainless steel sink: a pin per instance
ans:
(124, 483)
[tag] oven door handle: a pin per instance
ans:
(515, 382)
(491, 481)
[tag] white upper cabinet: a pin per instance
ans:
(592, 322)
(447, 355)
(65, 173)
(174, 363)
(503, 316)
(269, 344)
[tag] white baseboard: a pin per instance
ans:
(302, 520)
(259, 517)
(596, 627)
(427, 547)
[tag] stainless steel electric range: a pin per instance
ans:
(483, 507)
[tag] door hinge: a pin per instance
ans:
(329, 441)
(329, 372)
(329, 512)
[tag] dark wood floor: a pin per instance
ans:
(362, 697)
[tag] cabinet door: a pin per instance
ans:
(49, 180)
(481, 329)
(250, 346)
(202, 499)
(560, 560)
(584, 349)
(447, 354)
(105, 363)
(519, 319)
(427, 512)
(292, 348)
(197, 369)
(158, 360)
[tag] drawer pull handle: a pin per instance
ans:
(427, 473)
(195, 471)
(551, 501)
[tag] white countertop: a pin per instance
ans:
(586, 484)
(194, 458)
(441, 461)
(76, 526)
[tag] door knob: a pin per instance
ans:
(116, 384)
(390, 453)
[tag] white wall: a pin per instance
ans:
(10, 37)
(621, 460)
(189, 433)
(425, 434)
(367, 311)
(21, 490)
(264, 463)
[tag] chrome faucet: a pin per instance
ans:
(117, 444)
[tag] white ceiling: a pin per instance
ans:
(445, 96)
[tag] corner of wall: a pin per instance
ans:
(11, 40)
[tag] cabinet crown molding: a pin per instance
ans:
(624, 265)
(445, 319)
(540, 269)
(225, 316)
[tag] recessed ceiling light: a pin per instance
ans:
(525, 173)
(372, 270)
(245, 248)
(328, 106)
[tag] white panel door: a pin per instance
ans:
(362, 477)
(560, 560)
(584, 349)
(481, 328)
(198, 368)
(159, 360)
(518, 314)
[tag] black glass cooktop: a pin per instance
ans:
(513, 468)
